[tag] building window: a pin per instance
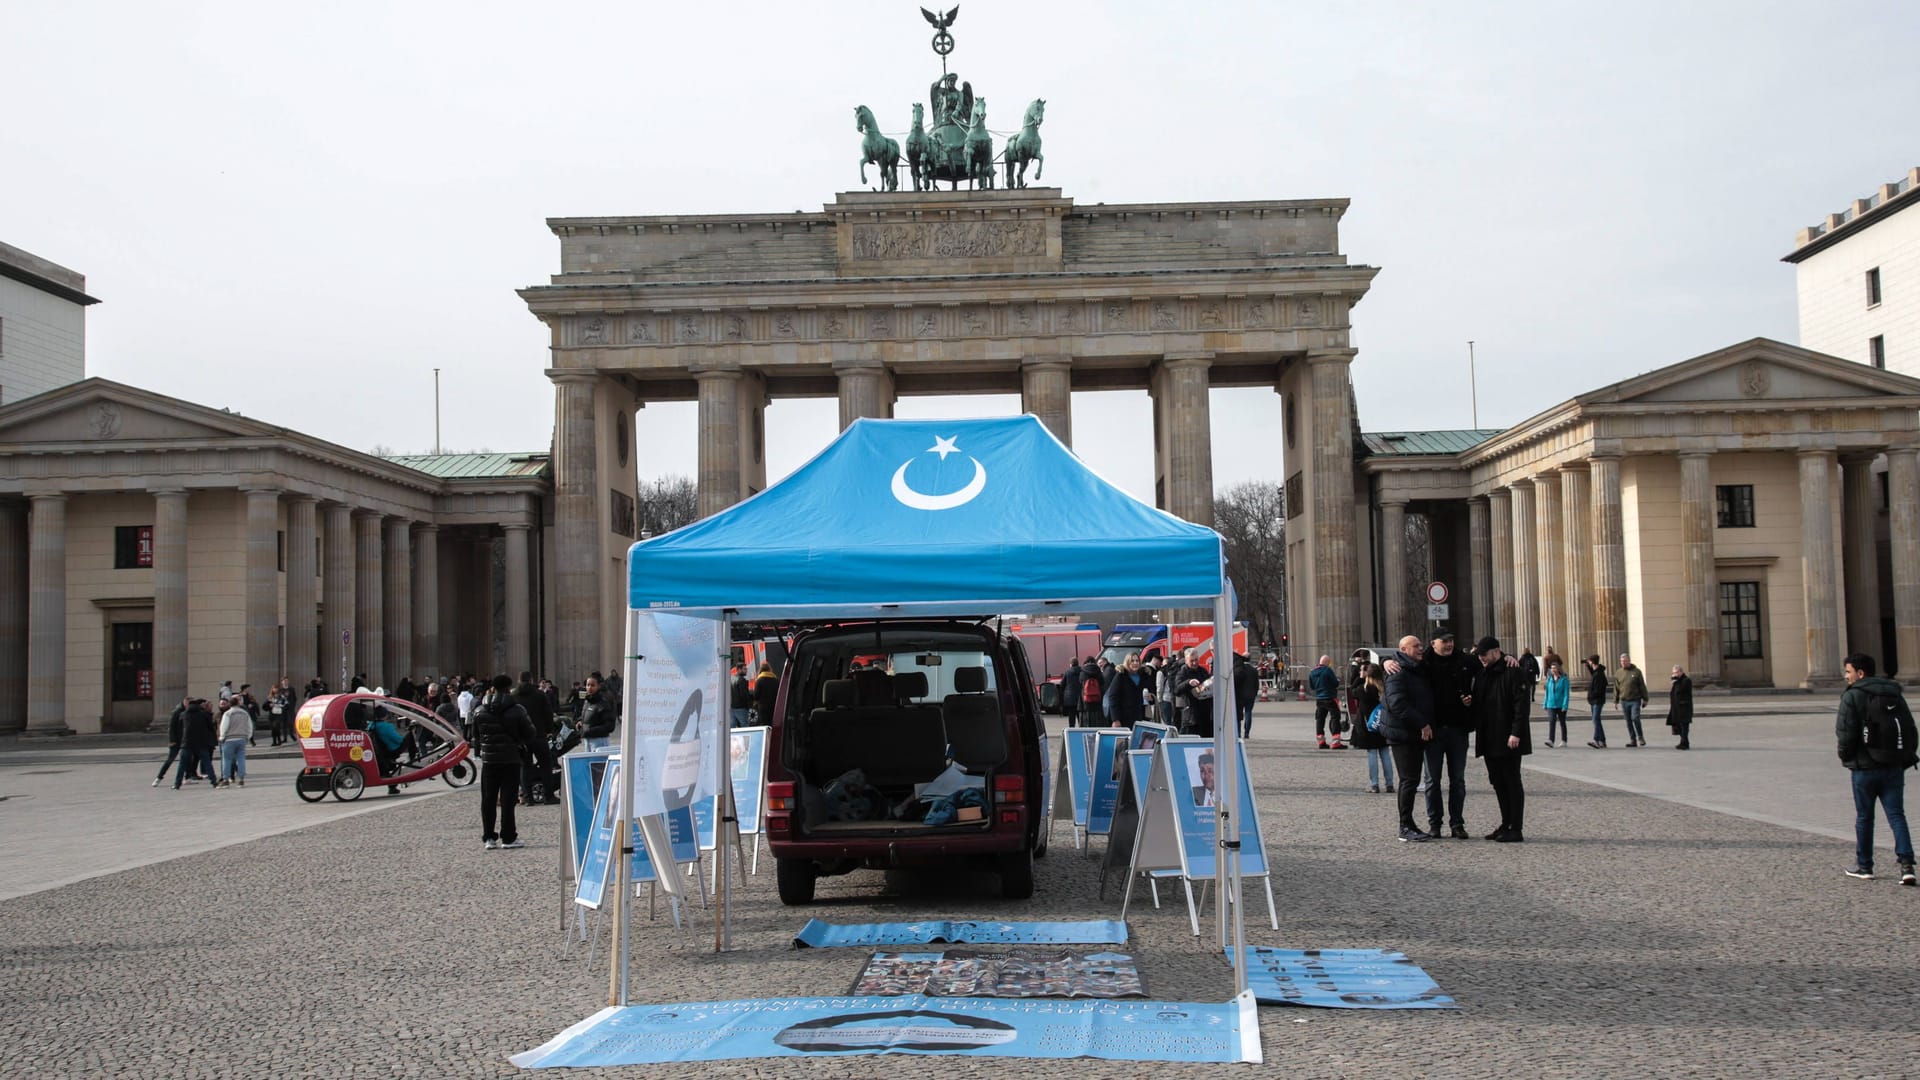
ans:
(1735, 502)
(1873, 287)
(132, 547)
(1740, 620)
(133, 661)
(1877, 350)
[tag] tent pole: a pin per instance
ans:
(625, 835)
(1226, 736)
(723, 808)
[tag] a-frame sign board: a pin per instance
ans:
(1177, 829)
(1074, 780)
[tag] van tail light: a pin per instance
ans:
(780, 797)
(1009, 789)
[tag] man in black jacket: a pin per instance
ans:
(197, 740)
(1498, 702)
(503, 737)
(1406, 719)
(174, 724)
(1070, 693)
(540, 714)
(1879, 774)
(1451, 674)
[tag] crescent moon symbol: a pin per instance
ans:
(922, 501)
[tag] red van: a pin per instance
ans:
(904, 743)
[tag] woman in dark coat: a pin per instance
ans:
(1680, 707)
(1127, 694)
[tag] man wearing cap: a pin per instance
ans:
(1498, 701)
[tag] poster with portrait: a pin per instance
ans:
(1147, 735)
(1109, 767)
(1193, 780)
(747, 766)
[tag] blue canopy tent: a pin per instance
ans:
(944, 517)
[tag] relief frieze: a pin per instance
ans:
(949, 240)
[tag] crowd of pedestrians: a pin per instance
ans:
(1173, 690)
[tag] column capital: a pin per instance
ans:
(1826, 453)
(1858, 457)
(708, 371)
(1499, 494)
(1396, 503)
(1903, 452)
(168, 492)
(859, 366)
(1693, 452)
(49, 497)
(1187, 360)
(425, 527)
(296, 498)
(516, 526)
(565, 377)
(1546, 476)
(1524, 481)
(1328, 356)
(1045, 362)
(256, 489)
(1613, 454)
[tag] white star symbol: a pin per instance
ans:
(943, 447)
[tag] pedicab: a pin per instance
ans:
(343, 757)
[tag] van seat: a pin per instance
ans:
(976, 730)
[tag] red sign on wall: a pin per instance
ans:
(143, 684)
(143, 547)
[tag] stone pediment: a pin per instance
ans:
(96, 410)
(1757, 372)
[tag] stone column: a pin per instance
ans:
(1903, 529)
(1859, 513)
(485, 644)
(303, 592)
(1609, 560)
(263, 588)
(1500, 517)
(1336, 558)
(1550, 561)
(337, 615)
(1479, 552)
(426, 601)
(1576, 514)
(1526, 578)
(1046, 391)
(13, 616)
(519, 595)
(47, 617)
(169, 604)
(577, 569)
(866, 390)
(752, 422)
(397, 570)
(1699, 582)
(1190, 441)
(1819, 572)
(1393, 572)
(719, 440)
(369, 613)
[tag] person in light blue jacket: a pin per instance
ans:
(1556, 701)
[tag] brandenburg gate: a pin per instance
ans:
(890, 293)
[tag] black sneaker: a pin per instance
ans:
(1906, 874)
(1413, 836)
(1510, 837)
(1864, 873)
(1460, 832)
(1496, 834)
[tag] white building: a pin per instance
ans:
(43, 325)
(1859, 280)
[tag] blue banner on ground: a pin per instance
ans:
(824, 935)
(1341, 979)
(824, 1027)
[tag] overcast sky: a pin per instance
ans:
(299, 212)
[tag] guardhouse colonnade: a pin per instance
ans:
(986, 292)
(1752, 515)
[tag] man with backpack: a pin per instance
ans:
(1877, 740)
(1092, 692)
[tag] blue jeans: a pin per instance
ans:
(742, 717)
(1887, 786)
(1557, 716)
(1379, 765)
(1599, 733)
(1243, 715)
(1449, 745)
(233, 759)
(1631, 710)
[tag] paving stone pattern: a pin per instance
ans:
(1629, 937)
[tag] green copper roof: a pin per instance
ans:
(475, 466)
(1406, 443)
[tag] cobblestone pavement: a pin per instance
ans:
(1630, 936)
